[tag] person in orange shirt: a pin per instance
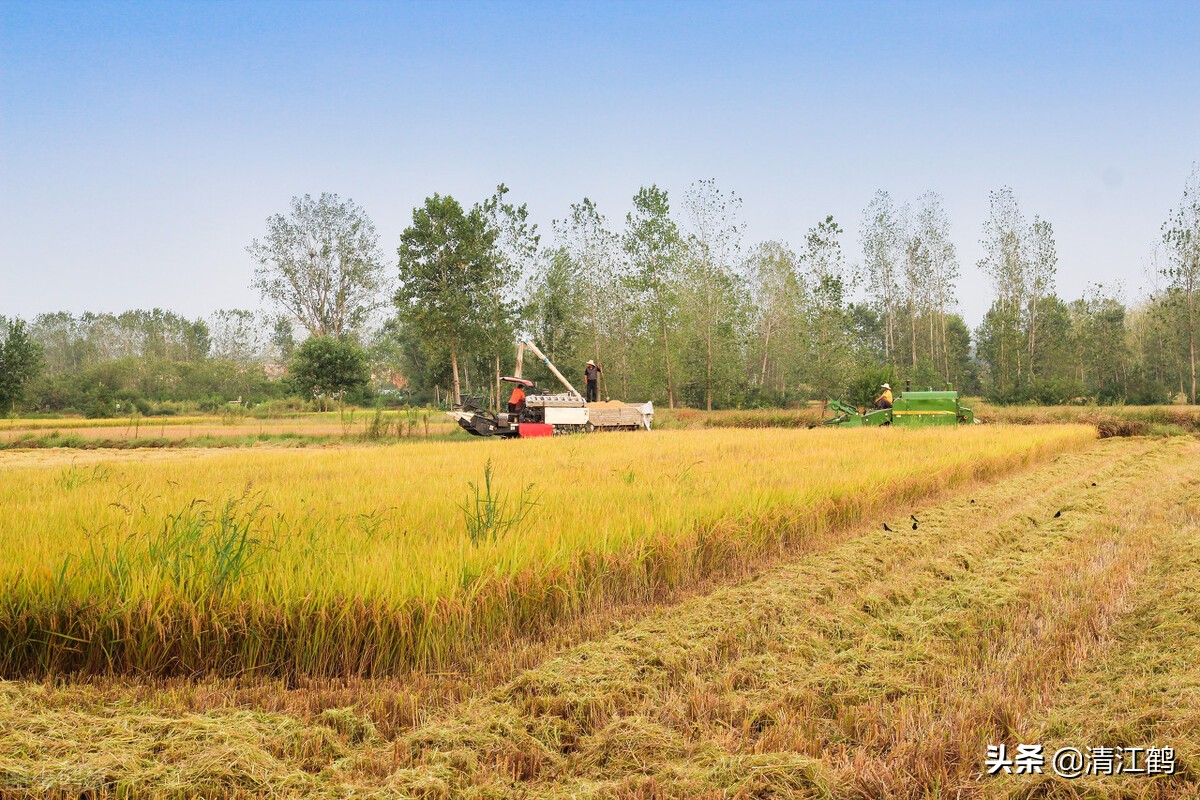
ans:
(884, 400)
(516, 400)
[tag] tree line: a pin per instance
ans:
(672, 300)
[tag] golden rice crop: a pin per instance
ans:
(237, 416)
(360, 561)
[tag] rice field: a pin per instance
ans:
(367, 560)
(1043, 593)
(696, 613)
(222, 430)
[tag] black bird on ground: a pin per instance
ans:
(914, 526)
(1058, 513)
(886, 528)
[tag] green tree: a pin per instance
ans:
(882, 243)
(321, 264)
(556, 296)
(710, 291)
(326, 366)
(20, 362)
(1181, 234)
(457, 270)
(448, 273)
(652, 243)
(1006, 261)
(779, 303)
(830, 356)
(602, 297)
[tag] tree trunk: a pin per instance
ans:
(889, 344)
(945, 347)
(1032, 333)
(624, 373)
(1192, 343)
(762, 378)
(708, 362)
(496, 390)
(667, 362)
(454, 366)
(912, 329)
(932, 345)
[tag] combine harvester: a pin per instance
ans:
(547, 414)
(910, 409)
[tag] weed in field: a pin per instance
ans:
(487, 512)
(74, 476)
(200, 551)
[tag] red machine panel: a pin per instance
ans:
(528, 429)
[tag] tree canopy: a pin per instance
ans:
(320, 264)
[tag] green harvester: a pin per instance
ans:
(909, 409)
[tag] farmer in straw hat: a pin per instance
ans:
(591, 374)
(884, 400)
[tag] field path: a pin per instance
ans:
(880, 668)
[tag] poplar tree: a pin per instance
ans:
(882, 254)
(1181, 235)
(710, 289)
(780, 300)
(1006, 263)
(652, 242)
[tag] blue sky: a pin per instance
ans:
(142, 146)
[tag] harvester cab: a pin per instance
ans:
(909, 409)
(546, 413)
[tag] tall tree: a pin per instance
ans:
(779, 303)
(237, 335)
(652, 242)
(1043, 259)
(830, 280)
(457, 270)
(942, 274)
(321, 264)
(918, 278)
(556, 294)
(516, 249)
(592, 249)
(882, 254)
(1181, 234)
(710, 286)
(1006, 262)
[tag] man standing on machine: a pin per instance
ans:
(591, 374)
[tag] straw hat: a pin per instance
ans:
(885, 386)
(591, 363)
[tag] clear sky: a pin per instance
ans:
(142, 146)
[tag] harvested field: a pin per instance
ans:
(1055, 605)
